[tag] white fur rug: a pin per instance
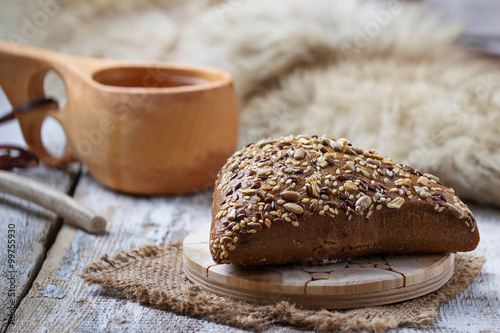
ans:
(382, 74)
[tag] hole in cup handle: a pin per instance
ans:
(31, 126)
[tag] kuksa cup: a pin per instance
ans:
(142, 128)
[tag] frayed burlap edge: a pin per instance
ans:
(153, 275)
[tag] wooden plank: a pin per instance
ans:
(61, 301)
(33, 228)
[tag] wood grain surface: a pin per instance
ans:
(35, 228)
(62, 204)
(59, 300)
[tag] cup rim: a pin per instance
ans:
(223, 78)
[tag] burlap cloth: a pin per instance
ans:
(153, 275)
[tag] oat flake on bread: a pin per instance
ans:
(313, 198)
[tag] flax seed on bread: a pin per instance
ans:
(301, 198)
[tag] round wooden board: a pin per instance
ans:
(364, 281)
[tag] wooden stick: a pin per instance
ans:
(73, 213)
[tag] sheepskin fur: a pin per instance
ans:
(382, 74)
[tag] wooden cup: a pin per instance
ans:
(143, 128)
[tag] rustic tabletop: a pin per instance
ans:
(42, 287)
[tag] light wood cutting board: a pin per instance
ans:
(364, 281)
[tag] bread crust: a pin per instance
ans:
(299, 199)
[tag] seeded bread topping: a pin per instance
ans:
(291, 180)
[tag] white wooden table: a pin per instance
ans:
(51, 297)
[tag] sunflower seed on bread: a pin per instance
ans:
(302, 198)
